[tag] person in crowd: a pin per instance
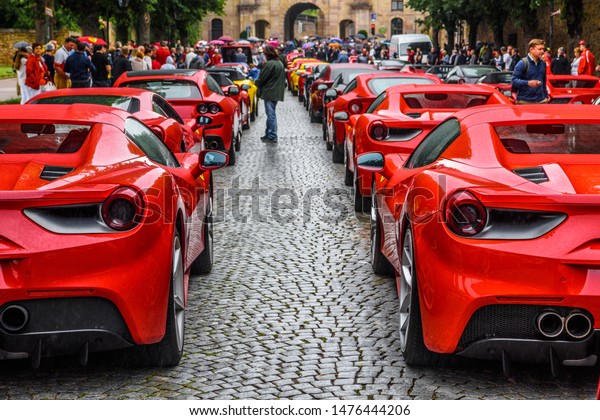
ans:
(148, 56)
(515, 58)
(497, 60)
(191, 55)
(271, 88)
(217, 58)
(587, 63)
(48, 58)
(529, 76)
(102, 63)
(169, 65)
(384, 54)
(485, 56)
(418, 56)
(321, 54)
(61, 78)
(254, 72)
(37, 74)
(506, 53)
(79, 67)
(364, 57)
(575, 62)
(432, 57)
(162, 53)
(453, 57)
(240, 57)
(121, 64)
(137, 61)
(20, 66)
(343, 56)
(261, 58)
(198, 61)
(560, 63)
(411, 55)
(547, 58)
(461, 58)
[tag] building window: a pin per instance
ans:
(397, 26)
(398, 5)
(216, 29)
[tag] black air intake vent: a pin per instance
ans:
(50, 173)
(535, 174)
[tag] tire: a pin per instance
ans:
(313, 118)
(204, 262)
(231, 151)
(247, 125)
(411, 327)
(337, 155)
(238, 142)
(348, 174)
(361, 203)
(379, 262)
(168, 351)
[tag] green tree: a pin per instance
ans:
(572, 12)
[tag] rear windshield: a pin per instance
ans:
(576, 139)
(378, 85)
(573, 83)
(349, 74)
(443, 100)
(26, 138)
(477, 71)
(125, 103)
(168, 89)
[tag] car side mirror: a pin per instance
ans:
(341, 116)
(210, 160)
(233, 90)
(246, 87)
(304, 75)
(370, 162)
(331, 95)
(322, 88)
(310, 77)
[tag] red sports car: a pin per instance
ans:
(195, 94)
(356, 98)
(149, 107)
(572, 89)
(234, 91)
(326, 79)
(101, 227)
(492, 224)
(399, 118)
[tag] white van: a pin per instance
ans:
(399, 44)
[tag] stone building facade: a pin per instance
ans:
(275, 18)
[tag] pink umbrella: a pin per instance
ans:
(274, 43)
(216, 42)
(226, 38)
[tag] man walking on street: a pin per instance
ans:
(271, 87)
(529, 76)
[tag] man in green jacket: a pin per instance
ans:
(271, 87)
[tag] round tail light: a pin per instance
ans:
(355, 107)
(465, 215)
(202, 108)
(214, 109)
(123, 209)
(378, 131)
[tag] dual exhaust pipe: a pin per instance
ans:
(576, 324)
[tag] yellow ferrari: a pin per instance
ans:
(240, 79)
(299, 67)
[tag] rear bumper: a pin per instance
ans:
(63, 326)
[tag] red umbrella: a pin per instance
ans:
(216, 42)
(226, 38)
(92, 40)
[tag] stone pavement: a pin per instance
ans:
(291, 309)
(8, 89)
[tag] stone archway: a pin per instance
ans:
(260, 28)
(293, 12)
(346, 28)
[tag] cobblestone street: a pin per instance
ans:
(291, 308)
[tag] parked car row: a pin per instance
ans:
(107, 199)
(485, 212)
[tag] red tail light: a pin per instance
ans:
(355, 107)
(465, 215)
(378, 131)
(123, 209)
(205, 108)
